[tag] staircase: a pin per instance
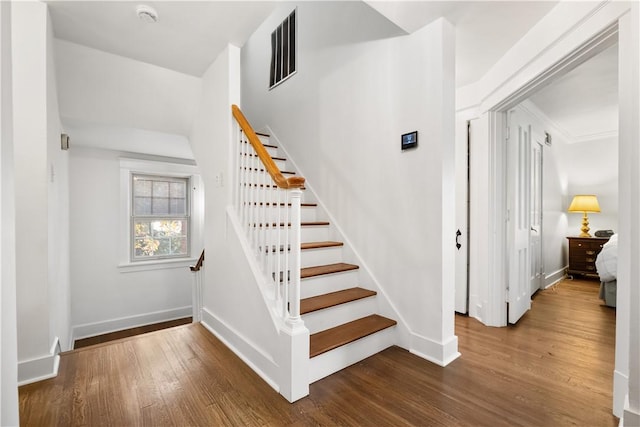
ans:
(341, 317)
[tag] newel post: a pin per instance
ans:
(294, 264)
(196, 289)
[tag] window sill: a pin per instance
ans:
(160, 264)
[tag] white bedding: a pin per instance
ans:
(607, 260)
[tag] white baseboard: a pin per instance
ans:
(261, 363)
(40, 368)
(620, 390)
(439, 353)
(630, 417)
(98, 328)
(555, 277)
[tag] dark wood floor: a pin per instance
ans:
(553, 369)
(126, 333)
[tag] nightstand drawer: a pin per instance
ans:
(583, 252)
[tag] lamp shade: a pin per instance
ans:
(584, 203)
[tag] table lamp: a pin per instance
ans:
(584, 203)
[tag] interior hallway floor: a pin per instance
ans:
(554, 368)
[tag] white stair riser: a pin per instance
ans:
(316, 257)
(275, 215)
(282, 164)
(326, 283)
(261, 176)
(259, 193)
(314, 233)
(321, 256)
(255, 162)
(273, 152)
(333, 316)
(264, 139)
(339, 358)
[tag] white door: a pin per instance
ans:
(537, 267)
(519, 213)
(462, 215)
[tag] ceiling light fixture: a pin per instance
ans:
(147, 14)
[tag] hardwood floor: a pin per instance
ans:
(99, 339)
(554, 368)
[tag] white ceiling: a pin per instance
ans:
(485, 30)
(188, 36)
(583, 104)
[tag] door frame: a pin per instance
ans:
(496, 307)
(583, 39)
(535, 140)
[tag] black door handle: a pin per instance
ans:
(458, 234)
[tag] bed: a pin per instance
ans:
(607, 267)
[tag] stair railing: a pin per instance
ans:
(196, 289)
(268, 207)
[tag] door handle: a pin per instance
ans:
(458, 234)
(533, 229)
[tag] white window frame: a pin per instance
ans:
(129, 167)
(186, 216)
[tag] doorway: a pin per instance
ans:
(573, 122)
(489, 248)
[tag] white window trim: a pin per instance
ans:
(129, 166)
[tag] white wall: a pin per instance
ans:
(558, 175)
(9, 415)
(100, 88)
(554, 213)
(233, 307)
(357, 89)
(592, 168)
(58, 202)
(104, 296)
(570, 168)
(626, 393)
(113, 106)
(41, 264)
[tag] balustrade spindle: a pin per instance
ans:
(268, 207)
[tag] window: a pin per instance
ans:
(162, 215)
(283, 51)
(159, 217)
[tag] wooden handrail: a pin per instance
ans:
(198, 265)
(267, 161)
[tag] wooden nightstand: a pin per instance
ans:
(583, 252)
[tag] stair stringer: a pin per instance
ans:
(401, 334)
(285, 366)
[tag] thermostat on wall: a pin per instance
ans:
(410, 140)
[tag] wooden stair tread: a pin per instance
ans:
(274, 158)
(320, 270)
(330, 339)
(320, 302)
(264, 145)
(302, 224)
(262, 170)
(304, 205)
(318, 245)
(263, 185)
